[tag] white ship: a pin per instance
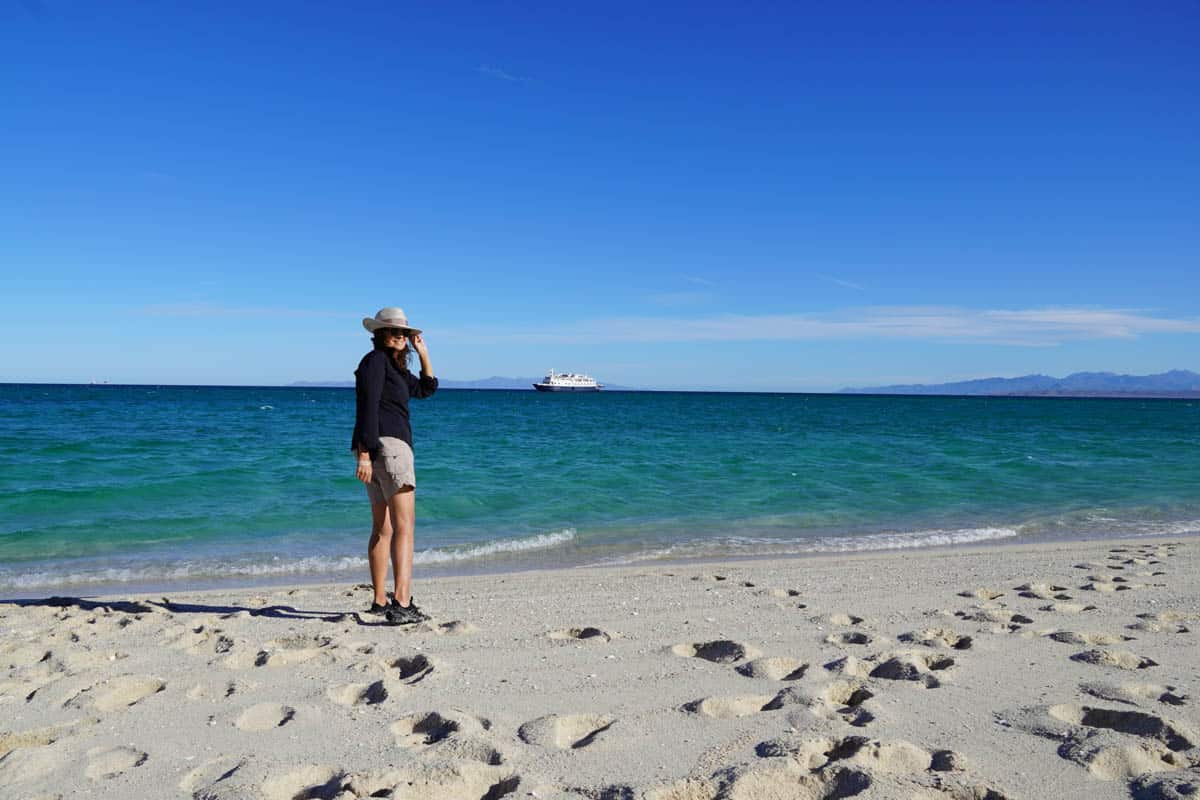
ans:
(567, 382)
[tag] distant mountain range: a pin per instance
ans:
(1176, 383)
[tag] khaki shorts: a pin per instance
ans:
(391, 471)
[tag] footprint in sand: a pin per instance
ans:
(1072, 637)
(24, 770)
(1114, 757)
(265, 717)
(358, 694)
(1105, 584)
(589, 634)
(198, 639)
(431, 727)
(1171, 786)
(753, 784)
(412, 669)
(998, 616)
(1042, 591)
(441, 780)
(1112, 744)
(937, 637)
(729, 707)
(775, 668)
(14, 656)
(216, 691)
(290, 650)
(912, 666)
(126, 690)
(305, 783)
(721, 651)
(794, 767)
(244, 658)
(470, 749)
(218, 778)
(37, 737)
(853, 637)
(1067, 608)
(838, 700)
(109, 762)
(850, 666)
(1163, 622)
(788, 596)
(981, 594)
(1136, 693)
(816, 754)
(455, 627)
(572, 731)
(846, 699)
(455, 735)
(1121, 659)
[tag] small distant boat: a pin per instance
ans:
(568, 382)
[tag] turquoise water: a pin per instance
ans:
(158, 486)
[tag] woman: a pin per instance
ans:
(382, 441)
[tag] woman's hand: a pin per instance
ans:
(364, 472)
(418, 343)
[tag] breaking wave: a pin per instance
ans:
(199, 570)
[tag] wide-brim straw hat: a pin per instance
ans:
(390, 317)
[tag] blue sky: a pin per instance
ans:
(779, 196)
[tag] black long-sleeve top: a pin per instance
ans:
(382, 391)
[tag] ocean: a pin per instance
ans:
(141, 488)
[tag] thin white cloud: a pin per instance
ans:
(1023, 327)
(840, 282)
(499, 74)
(680, 299)
(698, 292)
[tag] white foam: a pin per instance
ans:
(186, 570)
(1137, 529)
(276, 566)
(542, 541)
(745, 545)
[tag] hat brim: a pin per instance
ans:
(373, 325)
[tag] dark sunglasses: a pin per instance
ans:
(399, 333)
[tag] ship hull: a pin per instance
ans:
(544, 387)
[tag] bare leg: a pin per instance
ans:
(377, 550)
(402, 506)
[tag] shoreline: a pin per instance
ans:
(483, 567)
(1022, 670)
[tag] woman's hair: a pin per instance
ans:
(405, 354)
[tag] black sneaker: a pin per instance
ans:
(405, 615)
(378, 609)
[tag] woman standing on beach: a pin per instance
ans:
(382, 441)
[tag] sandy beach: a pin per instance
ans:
(1063, 670)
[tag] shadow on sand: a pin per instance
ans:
(166, 604)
